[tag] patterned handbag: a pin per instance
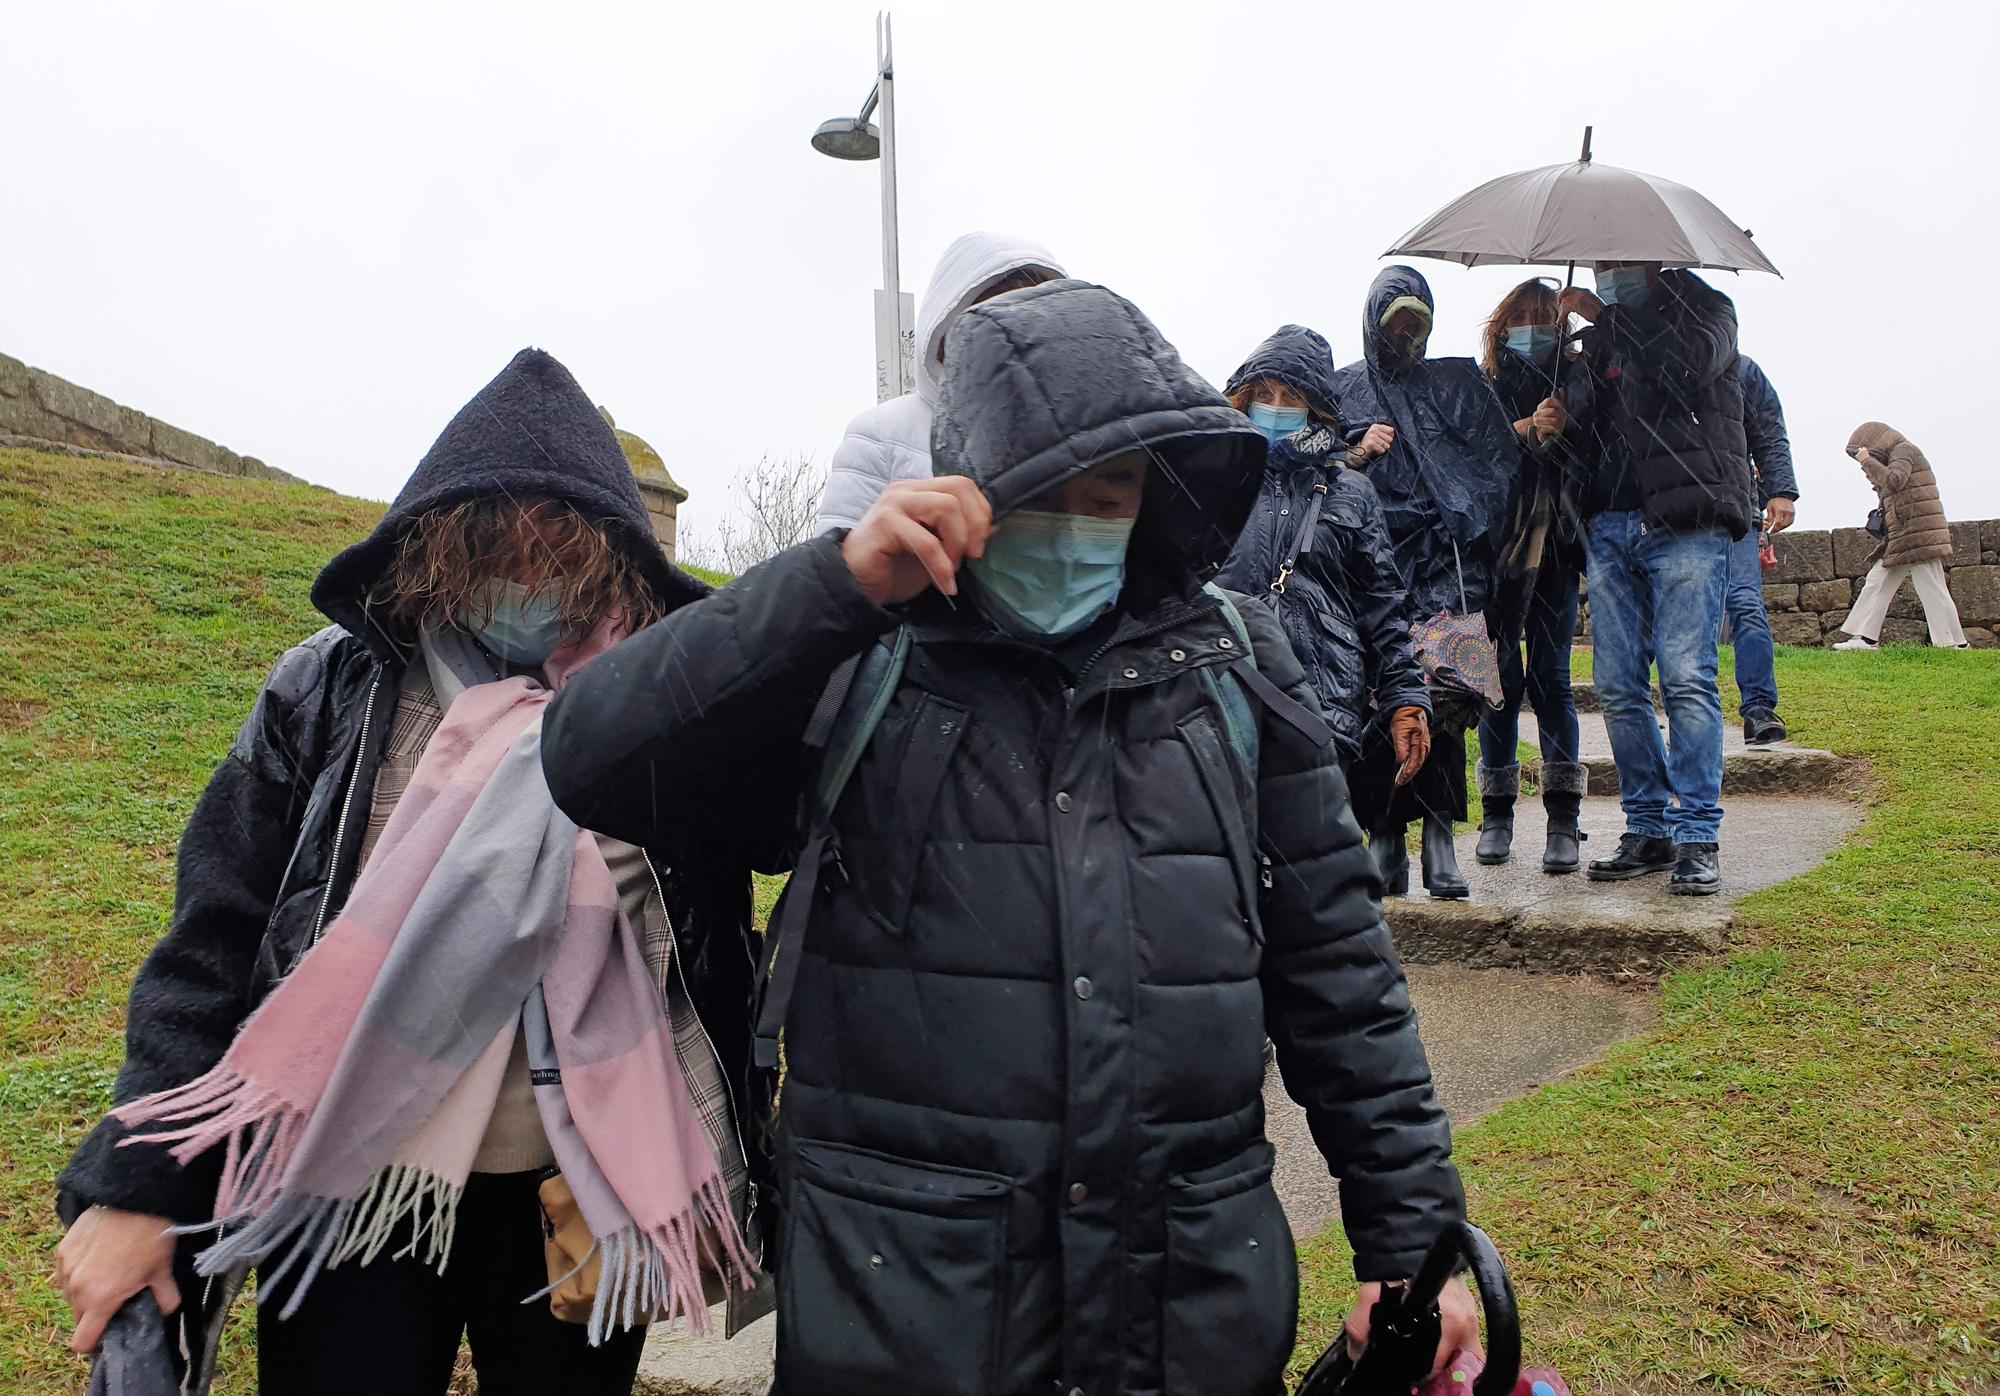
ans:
(1459, 661)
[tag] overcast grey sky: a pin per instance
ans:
(312, 231)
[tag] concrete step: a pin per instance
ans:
(1520, 917)
(1778, 769)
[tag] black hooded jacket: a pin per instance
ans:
(1342, 606)
(1021, 1136)
(1661, 404)
(269, 853)
(1447, 479)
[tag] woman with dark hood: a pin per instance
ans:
(1441, 453)
(1315, 550)
(1535, 594)
(401, 989)
(1077, 841)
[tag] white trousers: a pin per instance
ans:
(1872, 606)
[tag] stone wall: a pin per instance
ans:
(1820, 573)
(36, 407)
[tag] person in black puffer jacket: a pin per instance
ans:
(1336, 591)
(1535, 590)
(1021, 1135)
(1659, 402)
(526, 485)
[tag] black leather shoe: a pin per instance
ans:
(1761, 728)
(1697, 871)
(1496, 833)
(1392, 860)
(1441, 875)
(1637, 855)
(1563, 851)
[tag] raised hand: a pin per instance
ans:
(917, 536)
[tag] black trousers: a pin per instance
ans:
(392, 1328)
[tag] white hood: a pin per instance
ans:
(971, 264)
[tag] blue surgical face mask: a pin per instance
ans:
(1049, 575)
(1623, 286)
(1535, 343)
(521, 626)
(1276, 423)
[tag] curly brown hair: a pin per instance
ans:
(447, 557)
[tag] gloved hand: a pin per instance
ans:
(1410, 739)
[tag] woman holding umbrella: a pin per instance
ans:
(1535, 599)
(1441, 454)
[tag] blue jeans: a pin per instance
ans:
(1549, 629)
(1656, 594)
(1750, 627)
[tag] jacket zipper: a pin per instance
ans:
(721, 1067)
(346, 809)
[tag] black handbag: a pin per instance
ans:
(1877, 525)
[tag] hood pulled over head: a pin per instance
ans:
(1045, 384)
(529, 432)
(1299, 358)
(1391, 285)
(968, 268)
(1879, 437)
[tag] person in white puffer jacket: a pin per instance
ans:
(892, 440)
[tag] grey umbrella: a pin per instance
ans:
(1583, 212)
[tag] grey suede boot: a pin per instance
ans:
(1499, 787)
(1563, 786)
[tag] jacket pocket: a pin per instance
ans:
(1230, 1312)
(893, 1275)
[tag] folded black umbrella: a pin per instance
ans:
(136, 1357)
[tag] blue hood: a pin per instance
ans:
(1300, 359)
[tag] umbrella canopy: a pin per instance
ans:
(1583, 212)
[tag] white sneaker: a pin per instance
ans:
(1855, 642)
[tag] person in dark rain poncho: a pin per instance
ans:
(1074, 875)
(1441, 454)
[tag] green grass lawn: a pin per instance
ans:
(1790, 1186)
(1793, 1184)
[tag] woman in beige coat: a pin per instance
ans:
(1916, 544)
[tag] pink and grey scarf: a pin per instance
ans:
(352, 1102)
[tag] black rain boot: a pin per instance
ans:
(1563, 852)
(1496, 833)
(1499, 787)
(1441, 875)
(1392, 860)
(1563, 787)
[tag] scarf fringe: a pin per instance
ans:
(655, 1276)
(317, 1233)
(259, 1129)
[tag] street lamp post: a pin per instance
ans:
(857, 138)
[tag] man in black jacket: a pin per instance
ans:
(1065, 894)
(1659, 398)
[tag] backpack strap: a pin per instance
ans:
(1268, 695)
(872, 678)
